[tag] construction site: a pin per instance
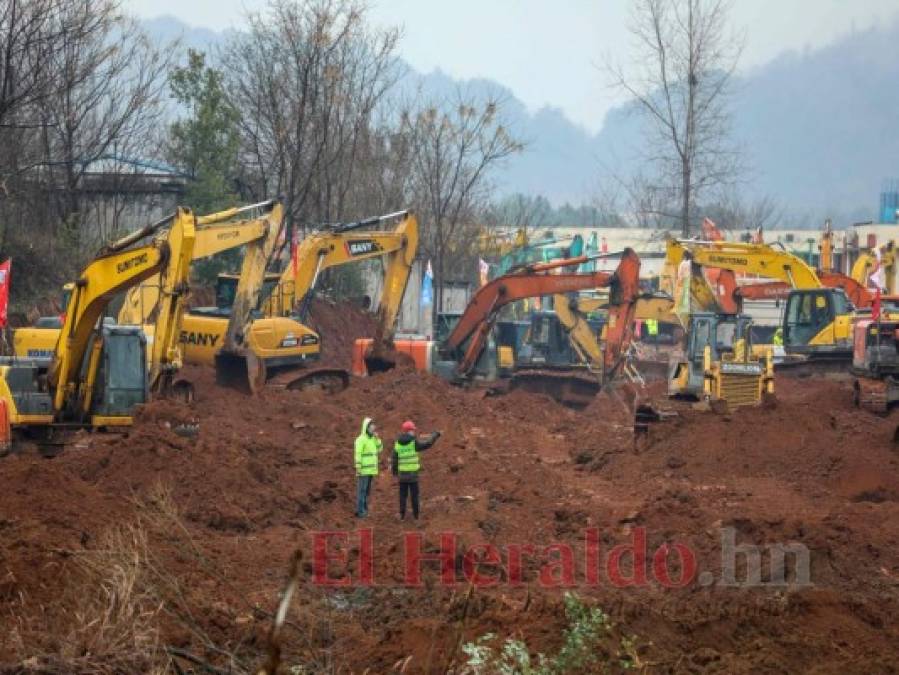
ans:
(316, 359)
(624, 464)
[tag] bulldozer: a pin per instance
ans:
(717, 365)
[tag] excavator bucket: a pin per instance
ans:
(379, 358)
(571, 390)
(243, 372)
(330, 380)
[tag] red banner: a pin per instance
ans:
(5, 270)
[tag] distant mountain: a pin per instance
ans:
(819, 128)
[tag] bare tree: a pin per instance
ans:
(519, 213)
(306, 78)
(685, 57)
(456, 144)
(734, 213)
(105, 103)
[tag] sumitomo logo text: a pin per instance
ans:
(361, 247)
(126, 265)
(728, 259)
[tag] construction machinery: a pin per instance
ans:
(39, 341)
(254, 341)
(290, 293)
(817, 320)
(867, 264)
(718, 363)
(570, 335)
(98, 371)
(287, 296)
(242, 346)
(462, 349)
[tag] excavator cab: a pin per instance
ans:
(547, 343)
(122, 378)
(818, 320)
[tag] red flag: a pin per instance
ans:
(875, 306)
(5, 270)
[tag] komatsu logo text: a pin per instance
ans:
(126, 265)
(201, 339)
(361, 247)
(233, 234)
(728, 259)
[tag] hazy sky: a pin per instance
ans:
(549, 51)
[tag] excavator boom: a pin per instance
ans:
(96, 286)
(475, 323)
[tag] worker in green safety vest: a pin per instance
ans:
(652, 329)
(366, 451)
(778, 338)
(406, 464)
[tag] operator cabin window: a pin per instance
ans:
(542, 335)
(701, 334)
(725, 337)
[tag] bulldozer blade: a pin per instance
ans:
(245, 373)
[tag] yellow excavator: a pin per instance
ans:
(265, 340)
(288, 293)
(241, 345)
(99, 371)
(818, 319)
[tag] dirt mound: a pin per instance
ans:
(224, 508)
(340, 324)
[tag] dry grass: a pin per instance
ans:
(107, 620)
(122, 591)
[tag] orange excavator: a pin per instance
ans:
(464, 346)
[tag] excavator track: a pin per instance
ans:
(871, 395)
(837, 366)
(574, 390)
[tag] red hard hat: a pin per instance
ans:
(408, 425)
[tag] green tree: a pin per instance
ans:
(205, 144)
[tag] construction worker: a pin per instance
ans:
(652, 330)
(406, 464)
(367, 449)
(778, 339)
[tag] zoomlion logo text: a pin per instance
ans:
(361, 247)
(733, 260)
(126, 265)
(202, 339)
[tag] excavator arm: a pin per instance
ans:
(475, 323)
(115, 270)
(236, 361)
(165, 354)
(747, 258)
(347, 244)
